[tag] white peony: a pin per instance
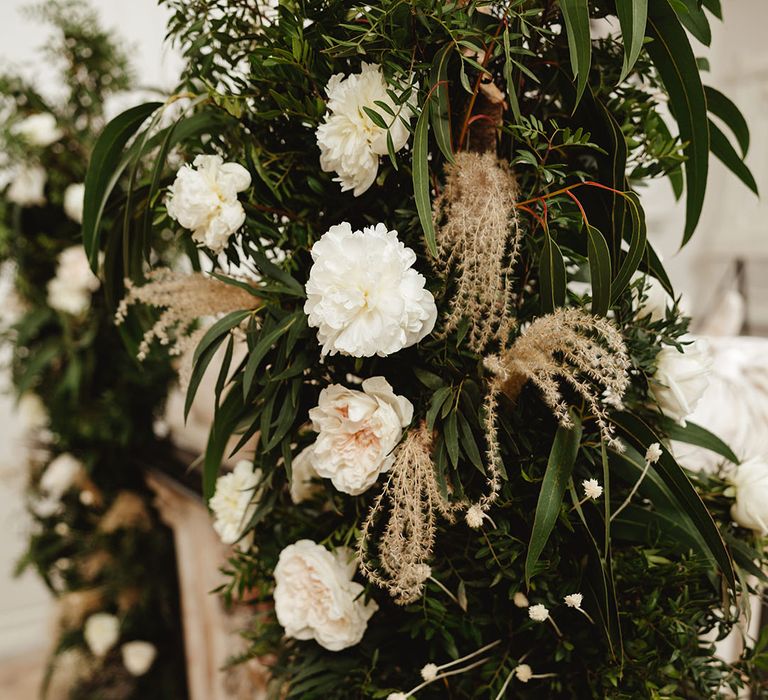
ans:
(750, 484)
(28, 186)
(70, 290)
(302, 473)
(138, 657)
(234, 503)
(203, 199)
(364, 296)
(73, 202)
(358, 430)
(681, 379)
(350, 142)
(38, 129)
(656, 301)
(63, 473)
(101, 633)
(316, 598)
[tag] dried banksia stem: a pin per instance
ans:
(478, 239)
(185, 298)
(406, 544)
(572, 346)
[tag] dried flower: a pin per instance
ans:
(574, 600)
(653, 453)
(478, 239)
(429, 672)
(475, 516)
(520, 600)
(538, 613)
(523, 673)
(127, 511)
(592, 489)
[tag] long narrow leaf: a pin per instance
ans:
(552, 277)
(728, 156)
(576, 18)
(600, 271)
(693, 434)
(440, 108)
(723, 108)
(632, 18)
(421, 184)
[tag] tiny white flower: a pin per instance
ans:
(28, 186)
(363, 294)
(653, 453)
(73, 202)
(538, 613)
(234, 502)
(101, 633)
(38, 129)
(681, 379)
(87, 498)
(592, 488)
(523, 673)
(71, 289)
(574, 600)
(475, 516)
(520, 600)
(138, 657)
(31, 412)
(429, 672)
(61, 529)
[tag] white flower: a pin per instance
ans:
(538, 612)
(204, 200)
(38, 129)
(101, 632)
(31, 412)
(73, 202)
(681, 379)
(653, 453)
(520, 600)
(656, 302)
(302, 473)
(429, 672)
(316, 598)
(64, 472)
(357, 432)
(397, 696)
(350, 142)
(28, 186)
(523, 673)
(592, 488)
(574, 600)
(234, 502)
(71, 289)
(138, 657)
(750, 482)
(364, 296)
(475, 516)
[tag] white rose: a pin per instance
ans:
(73, 202)
(138, 657)
(64, 472)
(38, 129)
(70, 290)
(234, 502)
(302, 473)
(28, 186)
(357, 432)
(750, 483)
(101, 633)
(681, 379)
(350, 142)
(203, 199)
(363, 295)
(316, 598)
(656, 301)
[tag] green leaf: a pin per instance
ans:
(576, 18)
(722, 107)
(262, 347)
(376, 118)
(104, 170)
(600, 271)
(693, 434)
(421, 184)
(451, 434)
(508, 77)
(438, 398)
(440, 108)
(552, 277)
(673, 57)
(727, 155)
(559, 468)
(637, 244)
(693, 19)
(632, 18)
(224, 424)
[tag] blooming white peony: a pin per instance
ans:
(70, 290)
(350, 142)
(64, 472)
(681, 379)
(234, 503)
(138, 657)
(358, 430)
(750, 484)
(364, 296)
(28, 186)
(302, 473)
(38, 129)
(203, 199)
(316, 598)
(73, 202)
(101, 633)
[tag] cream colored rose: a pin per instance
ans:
(302, 473)
(316, 598)
(357, 432)
(750, 484)
(681, 379)
(234, 502)
(101, 633)
(138, 657)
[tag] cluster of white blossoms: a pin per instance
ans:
(203, 199)
(39, 130)
(350, 141)
(316, 598)
(681, 379)
(363, 295)
(71, 289)
(27, 188)
(234, 502)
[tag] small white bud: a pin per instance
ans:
(574, 600)
(429, 672)
(520, 600)
(653, 453)
(523, 673)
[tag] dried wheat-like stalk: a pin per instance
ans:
(478, 239)
(185, 298)
(406, 544)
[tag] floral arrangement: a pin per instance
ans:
(96, 541)
(461, 391)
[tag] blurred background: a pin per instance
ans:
(722, 275)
